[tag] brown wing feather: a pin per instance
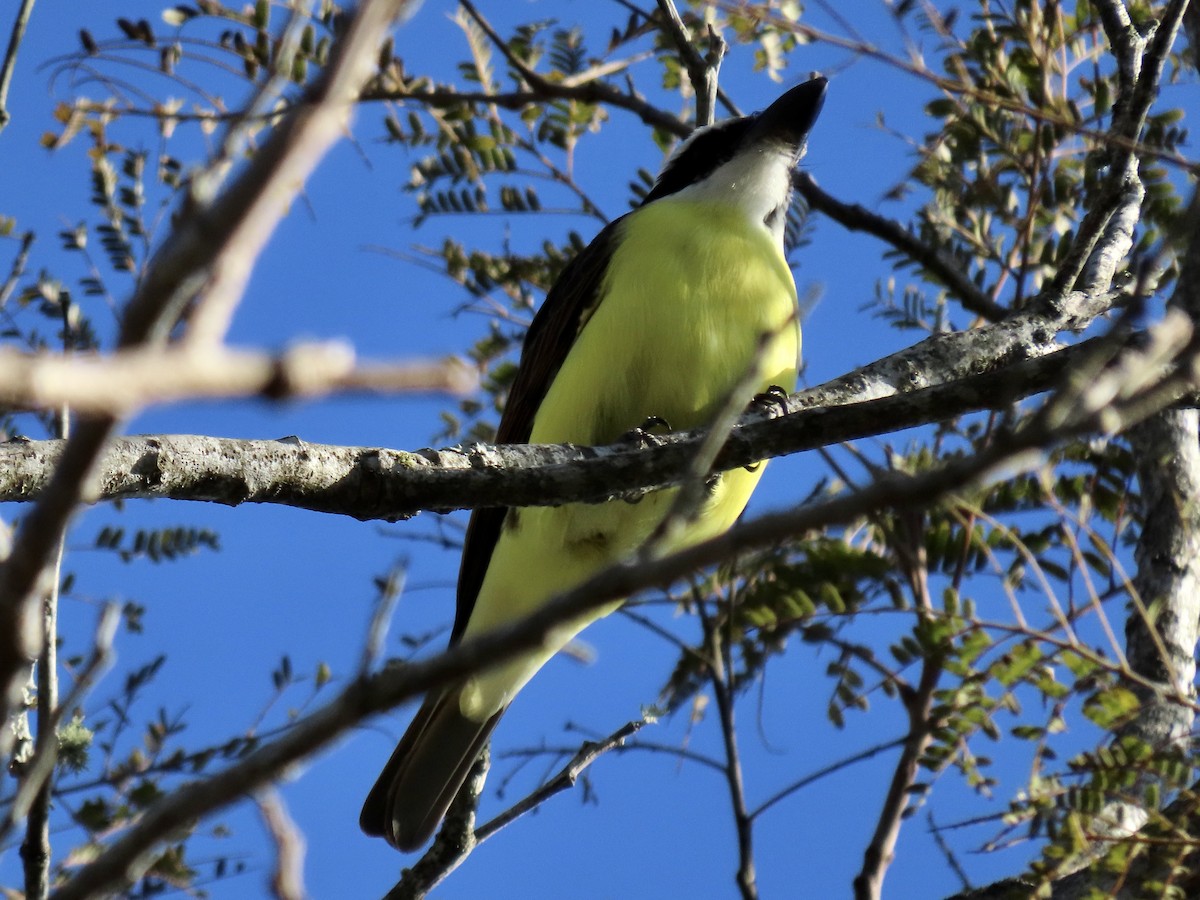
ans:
(553, 330)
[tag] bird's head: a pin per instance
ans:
(746, 161)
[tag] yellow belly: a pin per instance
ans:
(696, 297)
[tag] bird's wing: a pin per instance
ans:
(566, 309)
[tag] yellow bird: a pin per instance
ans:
(661, 317)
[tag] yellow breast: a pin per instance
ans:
(695, 297)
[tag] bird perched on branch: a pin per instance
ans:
(667, 313)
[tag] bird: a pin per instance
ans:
(670, 310)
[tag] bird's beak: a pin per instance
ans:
(787, 121)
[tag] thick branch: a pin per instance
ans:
(944, 376)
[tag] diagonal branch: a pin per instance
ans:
(1125, 403)
(212, 249)
(20, 23)
(854, 217)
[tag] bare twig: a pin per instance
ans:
(17, 269)
(918, 702)
(824, 772)
(133, 379)
(390, 591)
(287, 878)
(10, 57)
(455, 840)
(587, 754)
(212, 249)
(1141, 62)
(458, 837)
(854, 217)
(37, 771)
(36, 850)
(702, 70)
(720, 675)
(591, 90)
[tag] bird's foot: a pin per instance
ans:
(772, 401)
(648, 434)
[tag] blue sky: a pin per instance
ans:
(288, 581)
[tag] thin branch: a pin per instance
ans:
(210, 314)
(458, 837)
(36, 850)
(213, 249)
(565, 780)
(37, 771)
(287, 878)
(455, 839)
(702, 70)
(1140, 79)
(10, 57)
(720, 677)
(824, 772)
(868, 884)
(130, 380)
(854, 217)
(589, 91)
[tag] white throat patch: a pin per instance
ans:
(757, 182)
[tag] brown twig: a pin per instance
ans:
(566, 778)
(824, 772)
(720, 679)
(918, 703)
(588, 91)
(854, 217)
(455, 839)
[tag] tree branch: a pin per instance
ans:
(129, 380)
(942, 377)
(854, 217)
(212, 249)
(10, 57)
(720, 677)
(1114, 399)
(1163, 627)
(287, 879)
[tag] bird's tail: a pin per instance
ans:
(427, 768)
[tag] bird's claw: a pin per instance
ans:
(772, 401)
(648, 434)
